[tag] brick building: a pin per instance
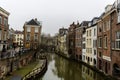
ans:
(4, 28)
(71, 40)
(32, 34)
(78, 44)
(115, 37)
(80, 29)
(104, 41)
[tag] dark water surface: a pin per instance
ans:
(62, 69)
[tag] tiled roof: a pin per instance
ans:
(33, 22)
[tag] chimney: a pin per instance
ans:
(35, 19)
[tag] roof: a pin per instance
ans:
(18, 32)
(3, 10)
(85, 23)
(33, 22)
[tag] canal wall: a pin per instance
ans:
(107, 77)
(8, 65)
(36, 72)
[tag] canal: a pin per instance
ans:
(63, 69)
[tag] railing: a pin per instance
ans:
(35, 72)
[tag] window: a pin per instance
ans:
(91, 59)
(90, 41)
(17, 39)
(83, 45)
(94, 32)
(36, 37)
(83, 39)
(90, 32)
(117, 41)
(119, 16)
(5, 22)
(5, 36)
(28, 29)
(94, 43)
(100, 30)
(100, 54)
(100, 42)
(105, 41)
(118, 1)
(0, 20)
(94, 52)
(36, 29)
(87, 33)
(0, 34)
(28, 37)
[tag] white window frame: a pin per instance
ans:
(117, 46)
(105, 42)
(5, 22)
(28, 29)
(118, 17)
(36, 29)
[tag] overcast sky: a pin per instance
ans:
(54, 14)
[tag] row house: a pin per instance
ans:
(71, 40)
(104, 41)
(80, 29)
(62, 41)
(84, 26)
(91, 42)
(78, 38)
(32, 34)
(4, 28)
(19, 38)
(115, 39)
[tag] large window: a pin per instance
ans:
(5, 22)
(100, 42)
(36, 29)
(95, 52)
(90, 33)
(117, 41)
(83, 45)
(28, 37)
(94, 32)
(119, 16)
(94, 43)
(105, 41)
(28, 29)
(36, 37)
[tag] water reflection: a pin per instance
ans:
(62, 69)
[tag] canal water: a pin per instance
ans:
(63, 69)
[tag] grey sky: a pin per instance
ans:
(53, 13)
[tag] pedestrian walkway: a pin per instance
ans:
(18, 75)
